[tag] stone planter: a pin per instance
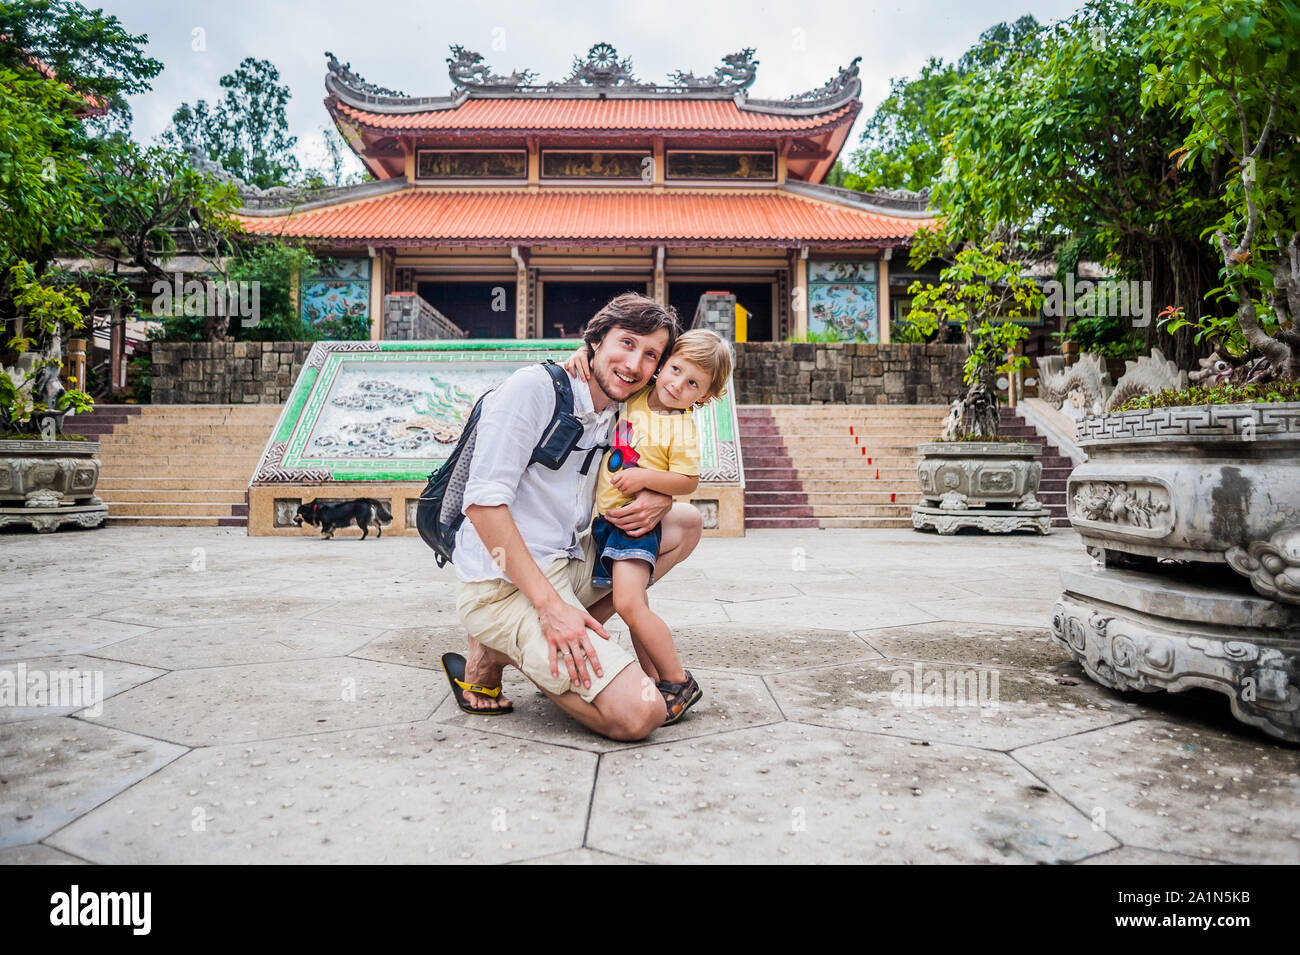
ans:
(49, 483)
(1193, 517)
(1200, 484)
(985, 484)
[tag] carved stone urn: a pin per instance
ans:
(989, 485)
(1192, 516)
(46, 484)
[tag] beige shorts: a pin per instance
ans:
(499, 616)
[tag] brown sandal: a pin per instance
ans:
(679, 697)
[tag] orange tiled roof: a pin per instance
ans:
(767, 217)
(651, 115)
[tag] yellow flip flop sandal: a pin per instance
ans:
(453, 664)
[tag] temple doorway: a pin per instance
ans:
(483, 309)
(567, 306)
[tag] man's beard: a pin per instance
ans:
(602, 382)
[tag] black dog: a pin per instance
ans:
(328, 517)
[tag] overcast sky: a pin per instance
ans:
(403, 45)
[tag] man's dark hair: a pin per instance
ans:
(637, 313)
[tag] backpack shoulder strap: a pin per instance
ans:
(563, 388)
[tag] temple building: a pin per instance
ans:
(512, 209)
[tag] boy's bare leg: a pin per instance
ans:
(483, 666)
(681, 530)
(631, 577)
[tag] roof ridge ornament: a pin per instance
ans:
(833, 88)
(601, 70)
(467, 69)
(354, 81)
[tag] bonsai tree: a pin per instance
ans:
(1229, 68)
(32, 399)
(982, 292)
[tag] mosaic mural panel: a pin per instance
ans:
(842, 299)
(393, 411)
(341, 289)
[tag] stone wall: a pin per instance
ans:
(782, 373)
(815, 373)
(225, 373)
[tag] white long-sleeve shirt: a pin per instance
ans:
(550, 508)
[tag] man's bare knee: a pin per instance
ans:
(634, 708)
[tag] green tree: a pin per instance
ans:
(246, 131)
(983, 291)
(902, 145)
(1229, 70)
(1056, 139)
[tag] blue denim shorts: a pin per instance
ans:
(612, 544)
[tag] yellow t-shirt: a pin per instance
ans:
(665, 441)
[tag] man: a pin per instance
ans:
(524, 562)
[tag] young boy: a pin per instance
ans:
(656, 446)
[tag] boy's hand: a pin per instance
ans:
(576, 364)
(629, 480)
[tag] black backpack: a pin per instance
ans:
(438, 514)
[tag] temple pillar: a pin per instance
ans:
(376, 297)
(800, 292)
(522, 299)
(660, 288)
(882, 296)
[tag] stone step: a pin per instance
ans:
(135, 494)
(822, 511)
(756, 523)
(162, 508)
(830, 522)
(175, 520)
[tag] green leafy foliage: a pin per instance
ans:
(46, 310)
(902, 144)
(246, 131)
(983, 292)
(1225, 394)
(1055, 140)
(1228, 70)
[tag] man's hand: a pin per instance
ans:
(629, 480)
(641, 516)
(565, 628)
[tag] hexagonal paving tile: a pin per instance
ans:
(864, 587)
(415, 646)
(67, 684)
(987, 645)
(202, 610)
(1177, 789)
(975, 706)
(37, 854)
(580, 857)
(828, 613)
(56, 769)
(269, 700)
(409, 793)
(240, 641)
(431, 604)
(33, 605)
(788, 793)
(770, 649)
(730, 701)
(57, 636)
(1125, 855)
(1021, 610)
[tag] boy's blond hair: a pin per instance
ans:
(711, 352)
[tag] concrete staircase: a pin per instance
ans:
(177, 465)
(833, 465)
(1056, 466)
